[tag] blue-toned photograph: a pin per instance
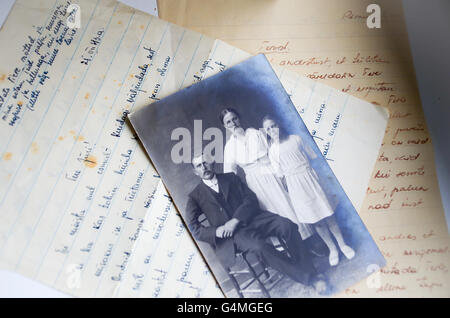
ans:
(253, 188)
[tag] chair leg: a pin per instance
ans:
(263, 288)
(235, 284)
(265, 271)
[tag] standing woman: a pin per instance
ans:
(289, 157)
(248, 149)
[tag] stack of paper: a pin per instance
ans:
(84, 211)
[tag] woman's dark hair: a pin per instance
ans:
(226, 111)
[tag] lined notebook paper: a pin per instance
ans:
(329, 42)
(82, 208)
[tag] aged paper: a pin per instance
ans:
(82, 208)
(329, 42)
(5, 7)
(77, 190)
(149, 6)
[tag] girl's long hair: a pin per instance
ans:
(281, 133)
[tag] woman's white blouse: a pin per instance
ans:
(245, 151)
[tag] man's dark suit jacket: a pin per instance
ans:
(242, 203)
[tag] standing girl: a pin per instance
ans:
(289, 157)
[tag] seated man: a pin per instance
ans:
(236, 221)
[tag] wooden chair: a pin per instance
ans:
(254, 272)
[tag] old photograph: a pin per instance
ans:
(253, 188)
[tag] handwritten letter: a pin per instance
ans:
(329, 42)
(83, 210)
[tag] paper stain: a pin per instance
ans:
(74, 77)
(141, 27)
(2, 78)
(75, 137)
(131, 76)
(106, 97)
(87, 96)
(29, 169)
(60, 138)
(119, 22)
(7, 156)
(34, 148)
(90, 161)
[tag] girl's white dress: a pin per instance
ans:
(290, 158)
(250, 152)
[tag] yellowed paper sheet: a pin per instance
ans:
(77, 191)
(82, 208)
(329, 42)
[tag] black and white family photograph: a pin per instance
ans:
(253, 188)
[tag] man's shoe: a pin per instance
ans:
(316, 247)
(319, 252)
